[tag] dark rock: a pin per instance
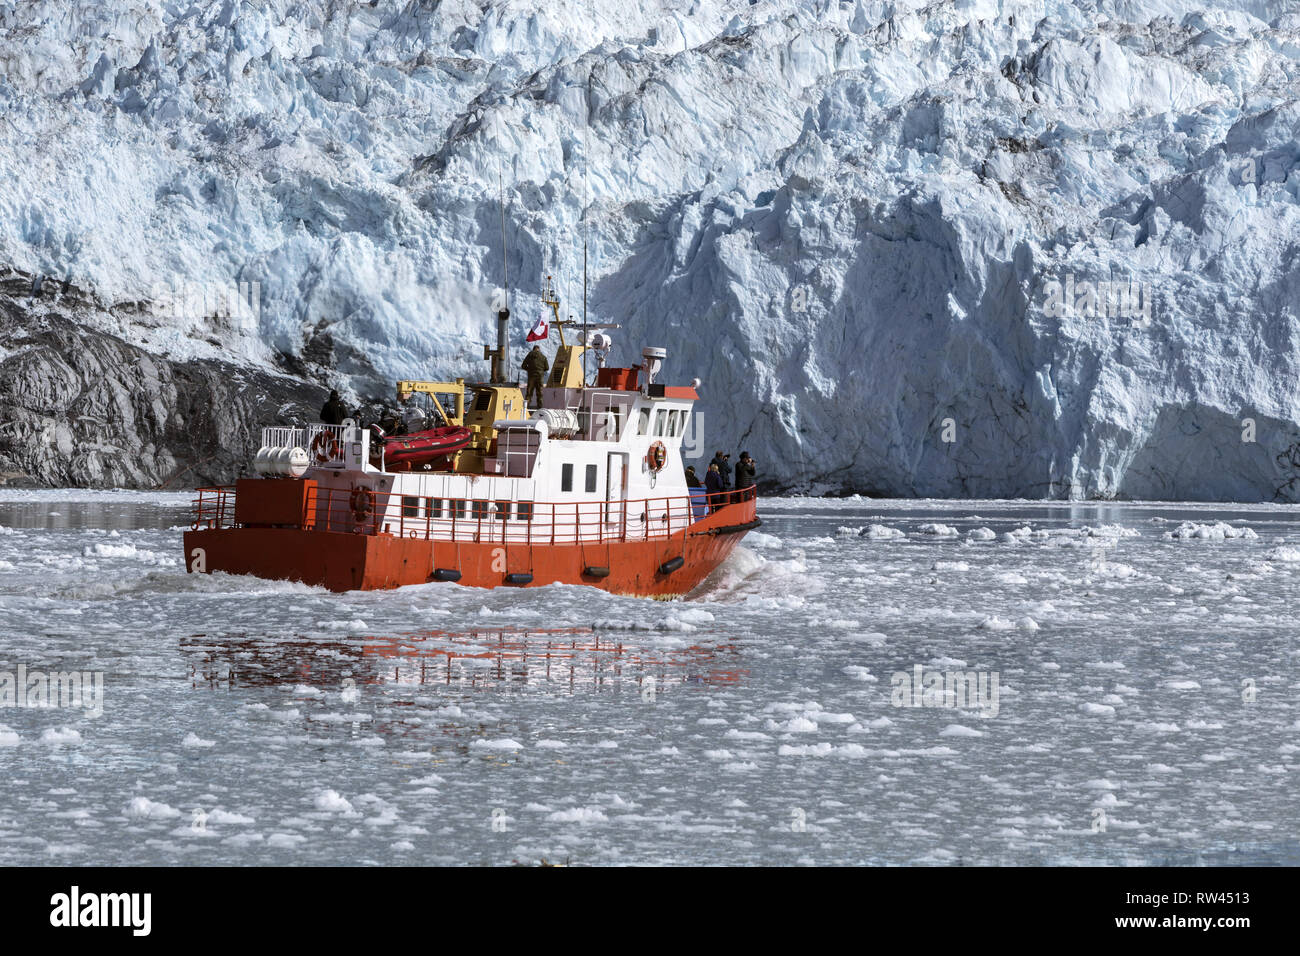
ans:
(80, 407)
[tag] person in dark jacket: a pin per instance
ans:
(713, 484)
(724, 468)
(390, 423)
(536, 365)
(745, 471)
(692, 479)
(333, 411)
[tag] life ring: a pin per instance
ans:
(657, 457)
(362, 501)
(325, 447)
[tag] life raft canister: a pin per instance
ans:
(362, 501)
(325, 446)
(657, 457)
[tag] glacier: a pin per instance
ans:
(941, 249)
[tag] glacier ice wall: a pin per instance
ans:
(916, 248)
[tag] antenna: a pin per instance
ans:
(584, 312)
(501, 359)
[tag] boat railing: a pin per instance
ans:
(358, 511)
(324, 443)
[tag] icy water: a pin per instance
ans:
(1133, 669)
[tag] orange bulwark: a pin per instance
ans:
(294, 530)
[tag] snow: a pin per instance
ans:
(850, 220)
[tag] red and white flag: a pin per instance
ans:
(540, 330)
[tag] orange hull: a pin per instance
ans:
(347, 562)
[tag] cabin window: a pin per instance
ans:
(566, 477)
(681, 422)
(643, 425)
(674, 417)
(410, 507)
(524, 511)
(591, 478)
(660, 417)
(457, 508)
(434, 508)
(478, 509)
(502, 510)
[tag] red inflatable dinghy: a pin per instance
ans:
(421, 448)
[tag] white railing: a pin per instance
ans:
(323, 443)
(283, 436)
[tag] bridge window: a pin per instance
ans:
(660, 417)
(674, 418)
(459, 509)
(591, 478)
(524, 511)
(566, 477)
(478, 509)
(434, 508)
(410, 507)
(681, 422)
(502, 510)
(643, 424)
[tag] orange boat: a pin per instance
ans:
(587, 489)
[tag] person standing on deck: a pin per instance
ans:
(333, 411)
(745, 471)
(724, 468)
(713, 485)
(536, 365)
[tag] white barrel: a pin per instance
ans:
(298, 462)
(264, 460)
(560, 422)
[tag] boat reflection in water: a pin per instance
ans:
(564, 660)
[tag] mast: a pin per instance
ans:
(584, 313)
(501, 359)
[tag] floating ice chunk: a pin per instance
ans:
(501, 743)
(857, 672)
(804, 750)
(142, 808)
(949, 566)
(285, 841)
(879, 532)
(1218, 531)
(1097, 710)
(981, 534)
(550, 744)
(61, 736)
(1026, 623)
(1285, 554)
(958, 730)
(1181, 685)
(939, 530)
(579, 815)
(1158, 727)
(194, 740)
(219, 816)
(331, 801)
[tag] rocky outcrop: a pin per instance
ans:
(84, 407)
